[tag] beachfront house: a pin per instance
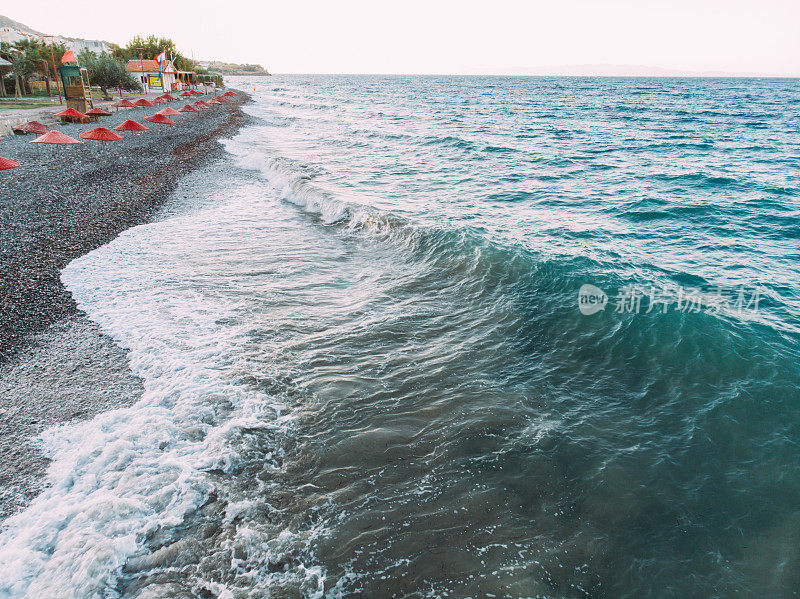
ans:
(147, 72)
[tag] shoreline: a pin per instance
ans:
(56, 365)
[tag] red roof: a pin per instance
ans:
(71, 113)
(32, 127)
(130, 125)
(142, 66)
(159, 118)
(101, 134)
(56, 137)
(7, 163)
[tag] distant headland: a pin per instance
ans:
(229, 68)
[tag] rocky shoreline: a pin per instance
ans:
(55, 364)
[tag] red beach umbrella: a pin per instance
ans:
(97, 112)
(168, 97)
(101, 134)
(196, 92)
(160, 119)
(229, 93)
(202, 104)
(188, 108)
(169, 112)
(130, 125)
(159, 100)
(144, 103)
(7, 163)
(223, 99)
(32, 127)
(70, 113)
(186, 94)
(124, 104)
(56, 138)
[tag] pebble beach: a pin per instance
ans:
(62, 202)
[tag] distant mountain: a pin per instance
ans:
(6, 22)
(229, 68)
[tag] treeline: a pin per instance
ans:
(31, 60)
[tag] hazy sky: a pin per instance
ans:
(447, 36)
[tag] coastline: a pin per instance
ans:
(56, 365)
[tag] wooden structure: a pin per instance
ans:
(75, 83)
(185, 80)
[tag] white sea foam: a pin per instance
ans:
(128, 474)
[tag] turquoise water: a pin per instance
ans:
(368, 372)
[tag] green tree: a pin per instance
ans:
(25, 62)
(105, 72)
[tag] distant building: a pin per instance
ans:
(148, 74)
(12, 36)
(96, 46)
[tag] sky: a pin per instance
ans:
(443, 37)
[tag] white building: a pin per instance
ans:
(12, 36)
(147, 73)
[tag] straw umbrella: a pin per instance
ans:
(101, 134)
(56, 138)
(125, 103)
(70, 113)
(160, 119)
(94, 113)
(7, 163)
(32, 127)
(130, 125)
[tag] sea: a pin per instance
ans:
(428, 336)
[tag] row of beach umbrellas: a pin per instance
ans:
(47, 136)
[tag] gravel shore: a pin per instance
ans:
(64, 201)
